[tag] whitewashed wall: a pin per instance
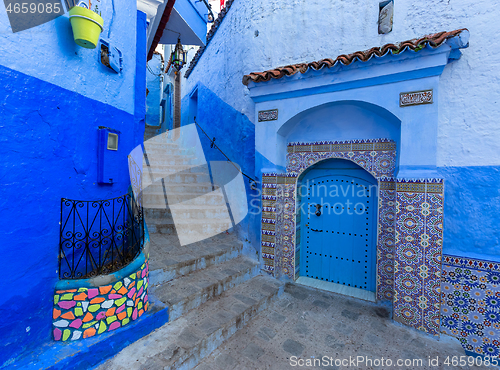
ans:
(305, 30)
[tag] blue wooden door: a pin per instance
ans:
(338, 223)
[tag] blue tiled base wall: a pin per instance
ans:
(470, 303)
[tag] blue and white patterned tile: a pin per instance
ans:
(435, 201)
(384, 164)
(363, 159)
(407, 313)
(418, 255)
(469, 298)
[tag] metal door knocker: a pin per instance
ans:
(318, 210)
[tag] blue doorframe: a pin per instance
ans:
(338, 205)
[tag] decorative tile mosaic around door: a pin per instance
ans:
(280, 231)
(409, 230)
(417, 265)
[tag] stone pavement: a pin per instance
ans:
(181, 343)
(310, 324)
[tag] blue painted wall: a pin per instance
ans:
(471, 212)
(344, 120)
(153, 80)
(195, 14)
(341, 121)
(235, 136)
(48, 146)
(140, 77)
(49, 53)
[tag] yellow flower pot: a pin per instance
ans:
(87, 26)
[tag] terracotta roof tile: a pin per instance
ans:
(434, 40)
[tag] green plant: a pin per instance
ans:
(421, 45)
(96, 10)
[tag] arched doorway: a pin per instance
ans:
(281, 216)
(338, 222)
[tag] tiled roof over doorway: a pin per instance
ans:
(433, 40)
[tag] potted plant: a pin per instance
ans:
(87, 25)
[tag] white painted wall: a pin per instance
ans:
(306, 30)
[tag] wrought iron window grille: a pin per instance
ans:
(99, 237)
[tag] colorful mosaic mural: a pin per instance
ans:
(86, 312)
(280, 250)
(417, 265)
(470, 303)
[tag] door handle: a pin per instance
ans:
(318, 231)
(318, 210)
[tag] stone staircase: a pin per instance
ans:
(196, 209)
(150, 132)
(198, 268)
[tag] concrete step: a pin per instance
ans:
(163, 164)
(164, 160)
(157, 201)
(168, 159)
(188, 212)
(181, 344)
(162, 140)
(157, 156)
(180, 178)
(165, 174)
(159, 166)
(159, 173)
(185, 293)
(189, 230)
(170, 260)
(157, 188)
(160, 148)
(150, 132)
